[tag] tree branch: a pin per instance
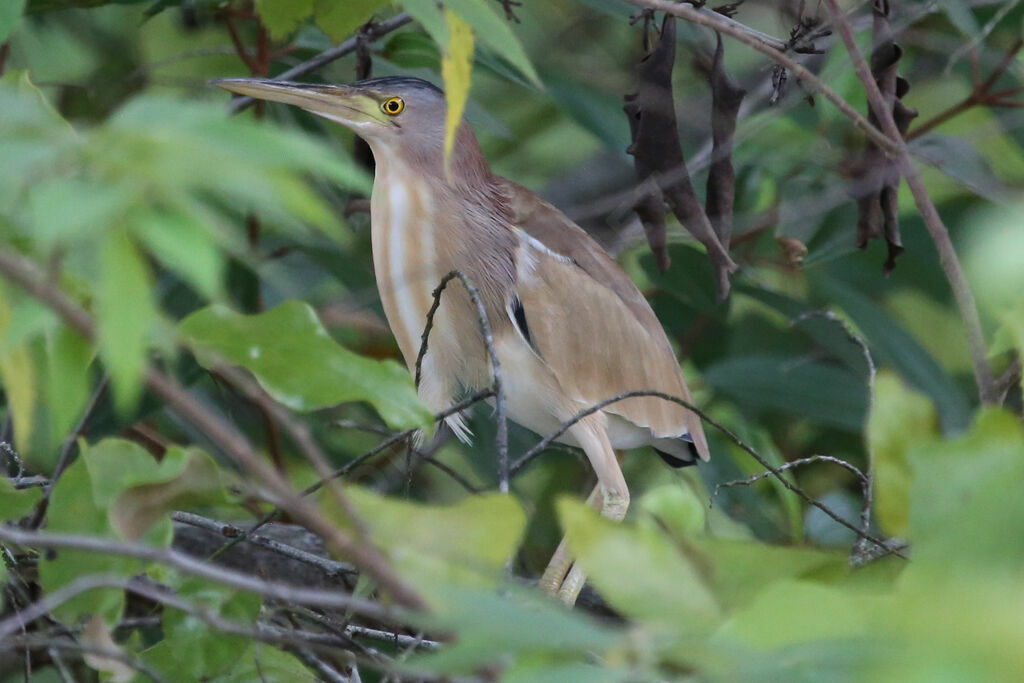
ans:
(929, 214)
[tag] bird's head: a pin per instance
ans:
(400, 117)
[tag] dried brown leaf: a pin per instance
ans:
(657, 153)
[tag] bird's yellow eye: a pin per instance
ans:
(393, 106)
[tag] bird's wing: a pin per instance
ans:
(552, 228)
(590, 324)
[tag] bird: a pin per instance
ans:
(570, 328)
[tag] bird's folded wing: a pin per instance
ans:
(592, 327)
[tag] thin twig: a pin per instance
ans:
(501, 440)
(860, 548)
(929, 214)
(981, 94)
(375, 32)
(794, 464)
(775, 471)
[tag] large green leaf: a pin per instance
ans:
(16, 504)
(340, 19)
(432, 545)
(281, 17)
(489, 28)
(456, 66)
(191, 650)
(125, 312)
(966, 508)
(639, 570)
(18, 376)
(900, 419)
(67, 378)
(295, 359)
(514, 625)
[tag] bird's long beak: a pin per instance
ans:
(342, 103)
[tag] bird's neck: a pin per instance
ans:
(424, 225)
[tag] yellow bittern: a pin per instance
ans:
(570, 328)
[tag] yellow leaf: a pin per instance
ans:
(456, 66)
(17, 374)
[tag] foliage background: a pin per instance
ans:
(200, 241)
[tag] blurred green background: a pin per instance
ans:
(124, 178)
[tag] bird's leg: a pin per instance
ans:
(614, 508)
(560, 562)
(611, 491)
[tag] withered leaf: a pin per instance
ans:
(726, 98)
(877, 179)
(657, 153)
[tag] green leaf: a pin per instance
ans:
(412, 50)
(67, 378)
(295, 359)
(339, 19)
(966, 509)
(184, 477)
(676, 507)
(73, 510)
(811, 389)
(489, 28)
(739, 570)
(125, 312)
(900, 419)
(281, 17)
(493, 30)
(185, 245)
(192, 651)
(267, 664)
(10, 17)
(960, 15)
(432, 545)
(639, 570)
(70, 209)
(15, 504)
(509, 626)
(891, 344)
(18, 376)
(456, 67)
